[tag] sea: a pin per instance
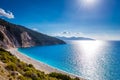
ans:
(92, 60)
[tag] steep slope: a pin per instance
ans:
(12, 36)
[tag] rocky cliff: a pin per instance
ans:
(15, 36)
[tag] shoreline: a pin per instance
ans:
(39, 65)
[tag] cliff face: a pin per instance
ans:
(7, 40)
(14, 36)
(26, 40)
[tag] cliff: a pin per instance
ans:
(15, 36)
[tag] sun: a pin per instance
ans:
(89, 3)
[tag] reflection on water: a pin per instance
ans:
(88, 54)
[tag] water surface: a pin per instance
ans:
(93, 60)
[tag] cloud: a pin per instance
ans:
(6, 14)
(65, 32)
(35, 29)
(69, 34)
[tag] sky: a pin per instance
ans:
(97, 19)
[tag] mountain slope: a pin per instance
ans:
(12, 36)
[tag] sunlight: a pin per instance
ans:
(89, 52)
(89, 48)
(89, 3)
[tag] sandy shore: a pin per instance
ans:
(38, 65)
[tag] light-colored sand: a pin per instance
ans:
(38, 65)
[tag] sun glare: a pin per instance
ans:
(89, 48)
(89, 3)
(89, 52)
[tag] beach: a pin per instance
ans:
(37, 64)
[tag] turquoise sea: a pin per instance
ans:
(93, 60)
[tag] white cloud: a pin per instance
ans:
(65, 32)
(35, 29)
(69, 34)
(6, 14)
(98, 36)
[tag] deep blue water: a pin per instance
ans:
(93, 60)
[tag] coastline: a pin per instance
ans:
(39, 65)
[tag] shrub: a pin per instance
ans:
(10, 79)
(76, 78)
(22, 78)
(22, 65)
(11, 66)
(31, 66)
(59, 76)
(30, 74)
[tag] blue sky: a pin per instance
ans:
(99, 19)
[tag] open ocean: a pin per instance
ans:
(92, 60)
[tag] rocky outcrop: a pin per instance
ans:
(26, 40)
(14, 36)
(7, 40)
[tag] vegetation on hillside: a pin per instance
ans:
(19, 70)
